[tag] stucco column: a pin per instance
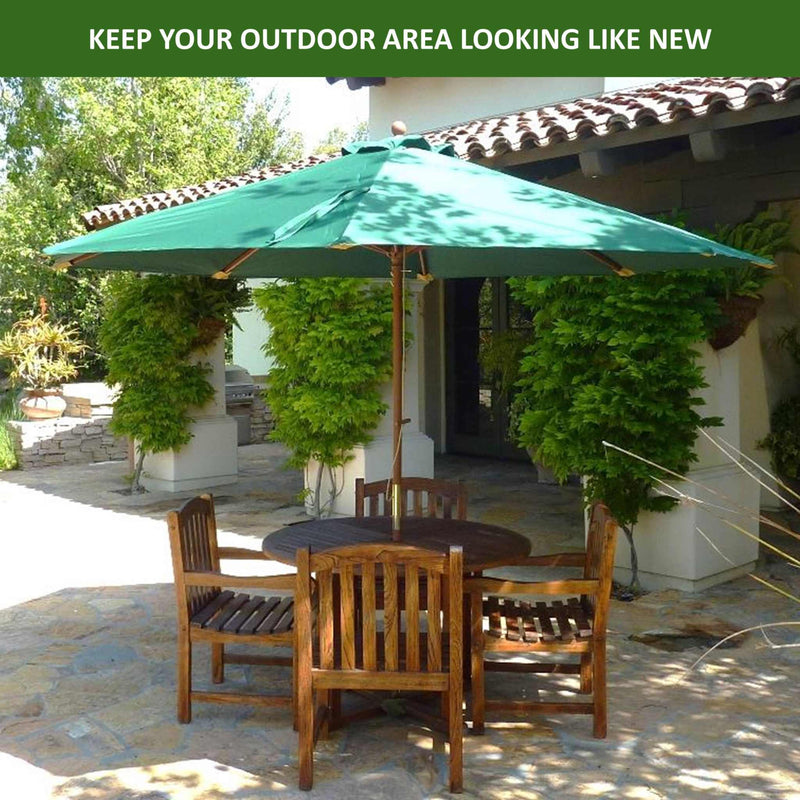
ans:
(691, 548)
(210, 458)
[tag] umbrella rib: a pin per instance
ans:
(225, 272)
(376, 248)
(60, 266)
(609, 262)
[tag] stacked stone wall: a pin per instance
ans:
(68, 440)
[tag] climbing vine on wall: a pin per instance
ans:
(331, 342)
(151, 326)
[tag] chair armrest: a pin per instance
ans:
(240, 581)
(550, 560)
(241, 553)
(500, 586)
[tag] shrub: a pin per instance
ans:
(784, 438)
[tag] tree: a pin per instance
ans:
(69, 144)
(337, 137)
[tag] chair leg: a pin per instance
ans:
(456, 736)
(295, 685)
(477, 677)
(586, 673)
(184, 677)
(305, 725)
(600, 715)
(335, 714)
(217, 663)
(324, 700)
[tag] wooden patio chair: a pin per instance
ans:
(574, 625)
(209, 613)
(429, 498)
(409, 651)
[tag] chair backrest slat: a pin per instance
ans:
(391, 622)
(325, 622)
(420, 497)
(368, 616)
(434, 606)
(347, 616)
(373, 505)
(412, 617)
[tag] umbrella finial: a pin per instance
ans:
(399, 128)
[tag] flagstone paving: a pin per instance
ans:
(87, 666)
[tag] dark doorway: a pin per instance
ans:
(476, 310)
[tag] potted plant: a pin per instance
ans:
(40, 353)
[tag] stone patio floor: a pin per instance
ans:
(87, 663)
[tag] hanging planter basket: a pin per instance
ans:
(738, 312)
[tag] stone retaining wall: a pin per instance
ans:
(260, 417)
(68, 440)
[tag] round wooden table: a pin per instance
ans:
(484, 546)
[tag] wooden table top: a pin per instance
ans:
(484, 546)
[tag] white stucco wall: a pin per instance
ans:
(249, 341)
(426, 103)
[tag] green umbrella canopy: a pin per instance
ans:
(321, 221)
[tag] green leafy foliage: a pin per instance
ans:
(70, 144)
(613, 360)
(40, 352)
(784, 438)
(331, 341)
(337, 137)
(764, 235)
(152, 326)
(9, 409)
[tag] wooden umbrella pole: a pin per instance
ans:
(397, 388)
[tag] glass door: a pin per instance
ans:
(476, 311)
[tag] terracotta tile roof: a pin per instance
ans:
(544, 126)
(607, 114)
(102, 216)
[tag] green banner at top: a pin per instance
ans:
(413, 39)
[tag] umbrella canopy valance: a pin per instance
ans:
(365, 213)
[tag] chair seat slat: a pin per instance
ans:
(257, 618)
(243, 614)
(275, 622)
(203, 615)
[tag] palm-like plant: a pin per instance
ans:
(40, 353)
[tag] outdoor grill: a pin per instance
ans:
(239, 393)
